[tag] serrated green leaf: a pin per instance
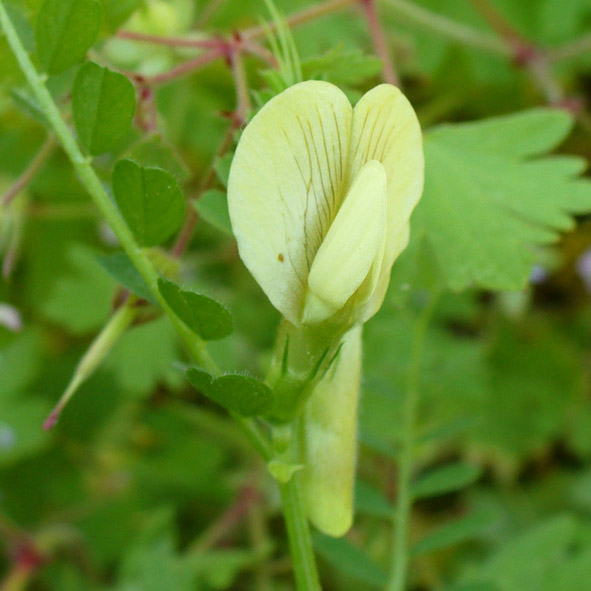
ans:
(455, 532)
(242, 394)
(487, 204)
(206, 317)
(103, 105)
(66, 29)
(349, 560)
(150, 200)
(213, 208)
(445, 479)
(118, 266)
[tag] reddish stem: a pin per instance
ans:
(380, 44)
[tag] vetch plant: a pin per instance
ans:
(320, 195)
(310, 187)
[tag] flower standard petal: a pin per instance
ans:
(385, 128)
(351, 246)
(286, 185)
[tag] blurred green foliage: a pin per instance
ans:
(147, 485)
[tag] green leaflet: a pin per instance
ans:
(103, 103)
(150, 200)
(66, 29)
(204, 316)
(238, 393)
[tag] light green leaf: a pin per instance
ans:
(103, 104)
(213, 208)
(150, 200)
(455, 532)
(445, 479)
(206, 317)
(66, 29)
(118, 266)
(487, 204)
(349, 560)
(238, 393)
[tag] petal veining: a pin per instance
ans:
(286, 185)
(385, 128)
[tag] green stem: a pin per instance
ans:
(298, 531)
(97, 191)
(399, 563)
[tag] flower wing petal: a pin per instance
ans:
(351, 246)
(286, 185)
(385, 128)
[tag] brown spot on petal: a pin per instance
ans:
(280, 257)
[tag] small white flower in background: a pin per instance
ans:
(320, 196)
(10, 318)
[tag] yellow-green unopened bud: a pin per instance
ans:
(328, 443)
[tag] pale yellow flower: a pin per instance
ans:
(320, 196)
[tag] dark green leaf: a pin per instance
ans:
(206, 317)
(238, 393)
(66, 29)
(122, 269)
(349, 560)
(213, 208)
(103, 104)
(445, 479)
(150, 200)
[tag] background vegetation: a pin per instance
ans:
(146, 485)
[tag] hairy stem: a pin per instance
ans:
(399, 562)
